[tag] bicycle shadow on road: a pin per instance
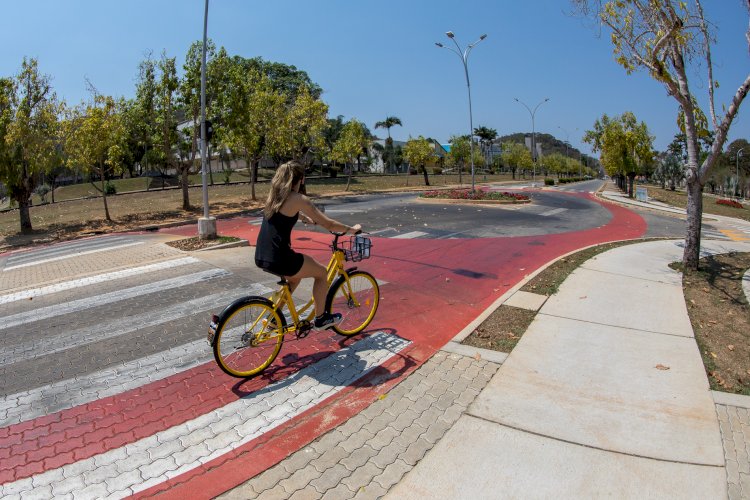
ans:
(357, 363)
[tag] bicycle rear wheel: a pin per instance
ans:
(249, 336)
(356, 299)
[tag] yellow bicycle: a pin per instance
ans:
(248, 334)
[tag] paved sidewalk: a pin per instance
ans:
(605, 395)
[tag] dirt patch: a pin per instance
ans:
(502, 330)
(196, 243)
(720, 316)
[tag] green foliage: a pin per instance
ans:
(625, 145)
(549, 182)
(516, 155)
(110, 188)
(351, 143)
(29, 129)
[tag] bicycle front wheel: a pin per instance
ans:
(248, 337)
(356, 298)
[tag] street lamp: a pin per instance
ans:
(206, 224)
(567, 144)
(739, 153)
(533, 134)
(464, 56)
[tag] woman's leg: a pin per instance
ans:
(311, 268)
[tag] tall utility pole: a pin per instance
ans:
(206, 224)
(464, 56)
(533, 134)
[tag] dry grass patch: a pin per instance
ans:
(679, 199)
(720, 315)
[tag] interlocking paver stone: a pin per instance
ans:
(330, 478)
(299, 479)
(370, 452)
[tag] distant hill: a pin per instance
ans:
(549, 144)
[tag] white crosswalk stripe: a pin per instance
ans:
(63, 341)
(412, 234)
(61, 252)
(91, 280)
(87, 303)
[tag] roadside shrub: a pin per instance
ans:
(729, 203)
(549, 182)
(437, 170)
(110, 188)
(42, 191)
(467, 194)
(227, 175)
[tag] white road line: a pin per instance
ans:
(77, 254)
(196, 442)
(552, 212)
(384, 230)
(101, 278)
(107, 298)
(413, 234)
(65, 248)
(64, 341)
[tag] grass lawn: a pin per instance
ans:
(679, 199)
(67, 219)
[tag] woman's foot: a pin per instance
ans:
(327, 320)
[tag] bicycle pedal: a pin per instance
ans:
(304, 330)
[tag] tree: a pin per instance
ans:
(29, 113)
(390, 121)
(625, 146)
(166, 137)
(331, 134)
(190, 97)
(95, 141)
(253, 117)
(144, 112)
(301, 129)
(419, 152)
(352, 142)
(516, 156)
(486, 136)
(460, 153)
(668, 38)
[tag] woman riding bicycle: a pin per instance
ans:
(274, 253)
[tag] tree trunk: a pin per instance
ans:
(185, 193)
(631, 181)
(104, 196)
(426, 180)
(253, 177)
(693, 234)
(25, 216)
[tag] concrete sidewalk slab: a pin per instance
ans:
(648, 261)
(628, 391)
(616, 300)
(478, 459)
(526, 300)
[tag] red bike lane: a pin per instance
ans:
(431, 290)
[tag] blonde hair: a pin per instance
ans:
(287, 175)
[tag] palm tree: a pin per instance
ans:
(486, 136)
(390, 121)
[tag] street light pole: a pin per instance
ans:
(533, 134)
(206, 224)
(739, 153)
(464, 56)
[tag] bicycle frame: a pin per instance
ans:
(283, 296)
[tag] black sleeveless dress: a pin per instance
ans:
(273, 251)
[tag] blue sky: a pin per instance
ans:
(375, 59)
